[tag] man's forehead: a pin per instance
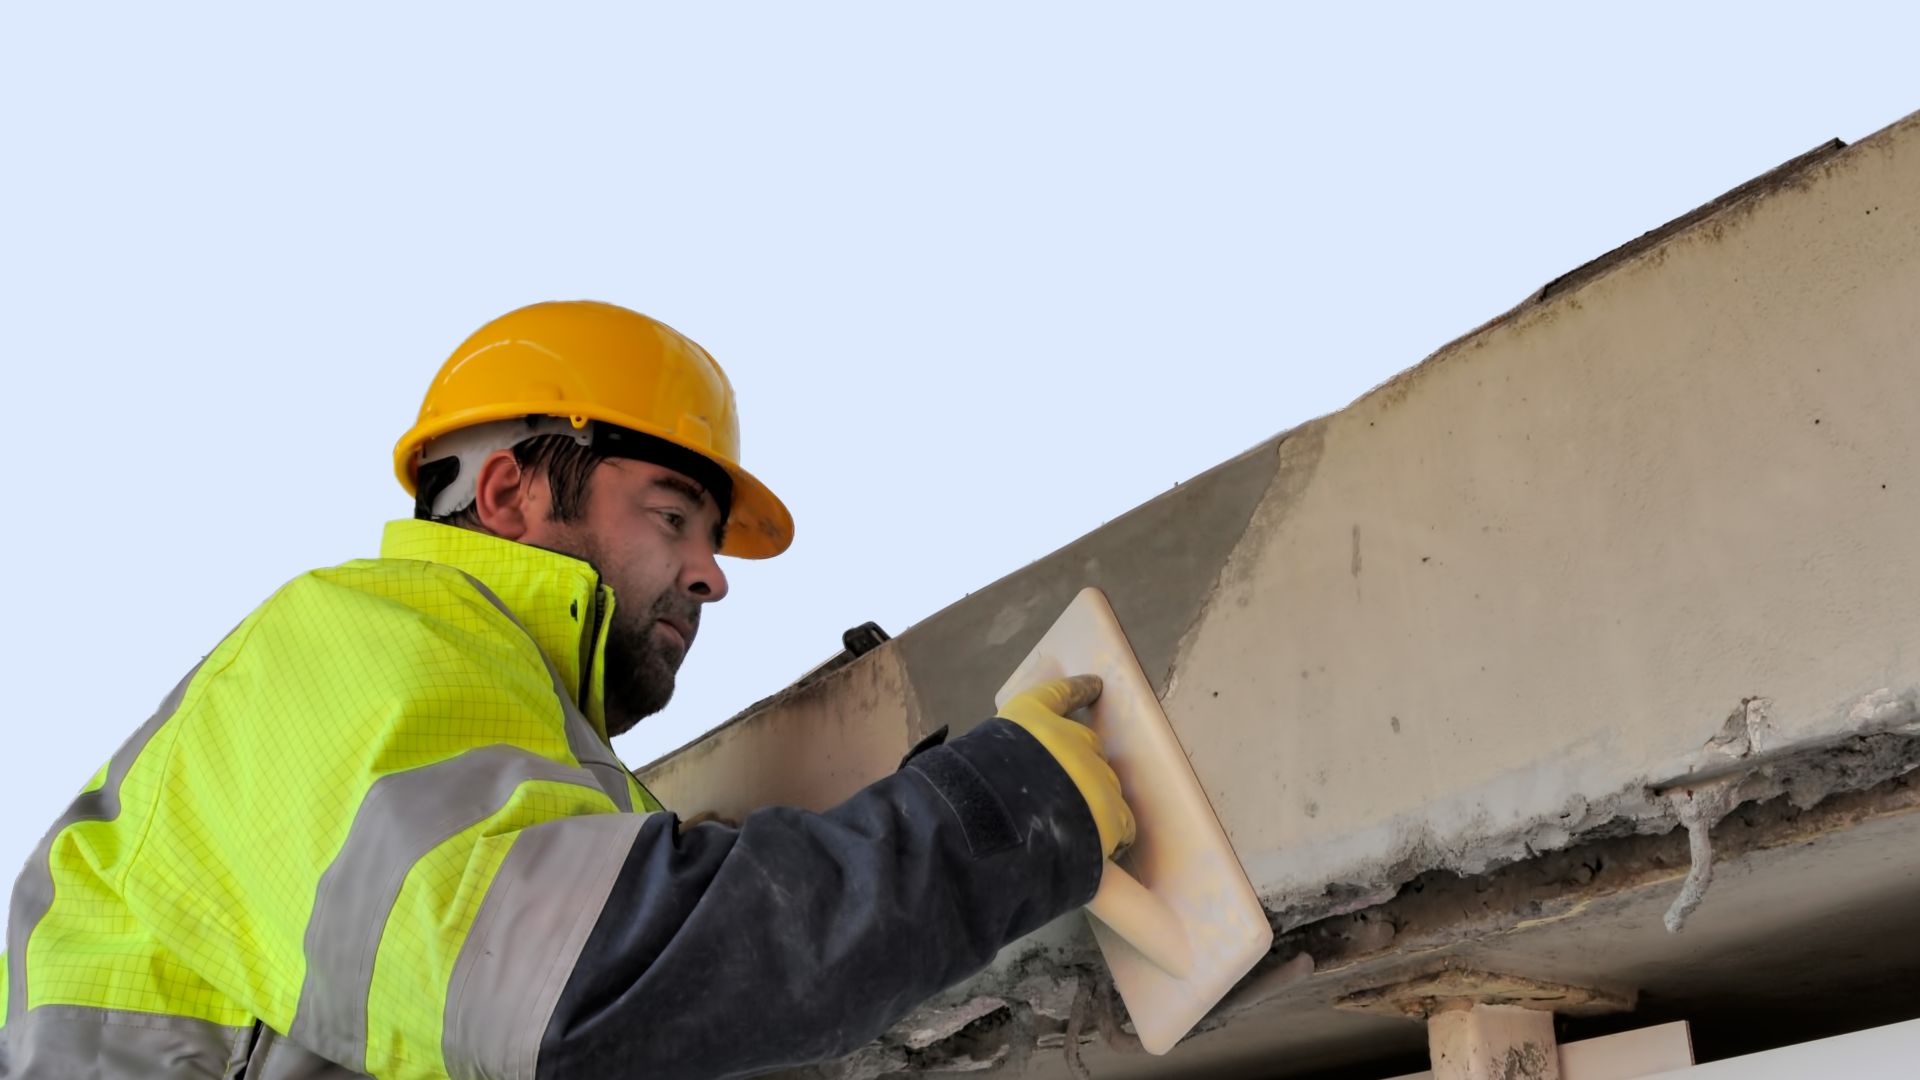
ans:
(645, 474)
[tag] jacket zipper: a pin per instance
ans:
(593, 645)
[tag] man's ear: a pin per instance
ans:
(506, 498)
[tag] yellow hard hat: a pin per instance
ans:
(635, 380)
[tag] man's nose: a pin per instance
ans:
(702, 577)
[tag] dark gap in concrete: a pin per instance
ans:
(1773, 178)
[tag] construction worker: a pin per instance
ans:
(380, 830)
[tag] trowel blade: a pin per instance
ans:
(1181, 854)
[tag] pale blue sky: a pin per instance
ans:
(984, 275)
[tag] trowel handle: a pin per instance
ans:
(1143, 920)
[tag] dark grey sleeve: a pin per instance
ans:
(799, 937)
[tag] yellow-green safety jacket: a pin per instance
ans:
(379, 831)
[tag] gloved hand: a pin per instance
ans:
(1042, 711)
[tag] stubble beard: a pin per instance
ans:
(640, 668)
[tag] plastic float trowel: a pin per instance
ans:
(1175, 915)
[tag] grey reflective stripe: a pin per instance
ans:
(404, 816)
(524, 943)
(114, 1044)
(276, 1057)
(33, 891)
(582, 740)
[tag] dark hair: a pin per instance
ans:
(567, 465)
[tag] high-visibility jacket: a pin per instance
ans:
(379, 831)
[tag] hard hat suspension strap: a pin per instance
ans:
(450, 465)
(610, 440)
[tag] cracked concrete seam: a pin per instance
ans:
(1872, 737)
(1632, 809)
(1805, 774)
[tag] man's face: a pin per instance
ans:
(653, 534)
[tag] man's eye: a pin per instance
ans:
(675, 520)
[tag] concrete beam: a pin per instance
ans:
(1649, 530)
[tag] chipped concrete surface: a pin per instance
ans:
(1648, 533)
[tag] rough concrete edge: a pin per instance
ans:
(1597, 874)
(1786, 174)
(1785, 801)
(1641, 805)
(1796, 173)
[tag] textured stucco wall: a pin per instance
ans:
(1482, 609)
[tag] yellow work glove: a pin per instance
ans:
(1042, 711)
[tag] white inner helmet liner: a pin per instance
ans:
(473, 445)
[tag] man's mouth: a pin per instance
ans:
(681, 630)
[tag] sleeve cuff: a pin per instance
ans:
(1008, 792)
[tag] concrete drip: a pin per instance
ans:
(1699, 811)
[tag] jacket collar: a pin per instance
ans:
(556, 597)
